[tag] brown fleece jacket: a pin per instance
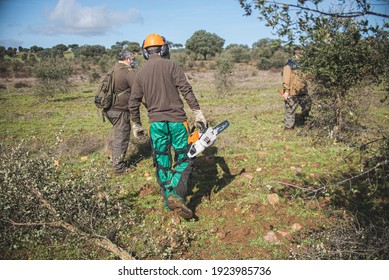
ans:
(124, 78)
(159, 83)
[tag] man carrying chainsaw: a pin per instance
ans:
(159, 83)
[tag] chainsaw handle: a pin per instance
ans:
(203, 127)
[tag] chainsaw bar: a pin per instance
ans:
(221, 127)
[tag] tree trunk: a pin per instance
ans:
(338, 113)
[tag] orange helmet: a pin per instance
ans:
(153, 40)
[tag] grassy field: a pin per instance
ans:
(259, 193)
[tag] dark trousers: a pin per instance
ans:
(120, 121)
(291, 106)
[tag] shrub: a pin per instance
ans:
(238, 53)
(223, 76)
(42, 204)
(350, 64)
(94, 77)
(52, 75)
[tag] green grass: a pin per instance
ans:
(254, 145)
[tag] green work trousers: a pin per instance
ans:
(165, 137)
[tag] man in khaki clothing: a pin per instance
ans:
(118, 114)
(295, 93)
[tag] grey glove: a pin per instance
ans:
(200, 119)
(138, 131)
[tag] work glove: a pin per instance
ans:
(200, 120)
(138, 131)
(286, 95)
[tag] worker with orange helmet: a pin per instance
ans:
(159, 84)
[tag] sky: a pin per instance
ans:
(46, 23)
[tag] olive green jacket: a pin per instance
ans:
(124, 77)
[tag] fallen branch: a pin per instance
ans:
(385, 162)
(289, 185)
(363, 146)
(99, 241)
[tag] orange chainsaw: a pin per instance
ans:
(203, 138)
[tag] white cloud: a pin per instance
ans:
(69, 17)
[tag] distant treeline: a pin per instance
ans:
(265, 53)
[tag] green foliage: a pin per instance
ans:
(269, 54)
(16, 66)
(11, 52)
(94, 77)
(51, 52)
(223, 76)
(2, 51)
(344, 51)
(119, 46)
(348, 64)
(32, 58)
(295, 20)
(265, 48)
(179, 56)
(60, 48)
(205, 43)
(346, 59)
(36, 197)
(238, 53)
(105, 62)
(89, 51)
(176, 46)
(277, 60)
(36, 49)
(52, 76)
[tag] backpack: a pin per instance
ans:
(104, 97)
